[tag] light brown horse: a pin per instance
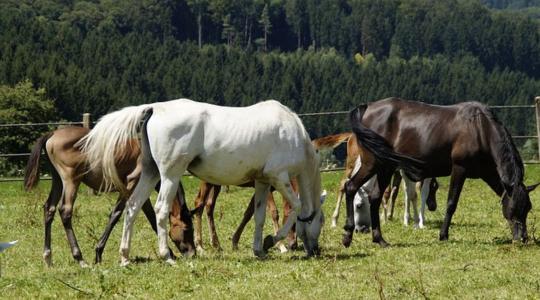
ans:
(70, 168)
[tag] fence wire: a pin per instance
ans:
(316, 126)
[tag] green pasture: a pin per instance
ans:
(478, 261)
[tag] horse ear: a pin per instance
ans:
(531, 188)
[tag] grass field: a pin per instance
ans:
(478, 261)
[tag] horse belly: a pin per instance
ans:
(229, 169)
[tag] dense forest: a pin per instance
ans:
(313, 55)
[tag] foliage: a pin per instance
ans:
(478, 261)
(22, 104)
(97, 56)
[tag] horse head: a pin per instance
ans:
(516, 205)
(181, 232)
(309, 229)
(362, 213)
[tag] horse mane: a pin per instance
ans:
(509, 162)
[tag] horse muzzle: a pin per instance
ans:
(519, 232)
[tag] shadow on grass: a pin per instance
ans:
(141, 260)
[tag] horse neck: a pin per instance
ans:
(309, 188)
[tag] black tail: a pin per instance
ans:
(31, 173)
(383, 152)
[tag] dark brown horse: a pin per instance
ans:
(464, 141)
(70, 169)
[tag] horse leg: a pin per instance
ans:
(341, 192)
(204, 191)
(411, 199)
(424, 194)
(66, 212)
(385, 204)
(169, 186)
(250, 210)
(149, 177)
(383, 179)
(210, 206)
(283, 185)
(456, 184)
(291, 237)
(113, 219)
(271, 206)
(150, 215)
(261, 193)
(49, 209)
(394, 193)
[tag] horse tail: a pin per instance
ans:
(31, 173)
(380, 148)
(110, 139)
(331, 141)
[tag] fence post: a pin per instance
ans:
(537, 106)
(86, 120)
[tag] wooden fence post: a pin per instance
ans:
(86, 120)
(537, 106)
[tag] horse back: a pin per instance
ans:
(438, 135)
(69, 161)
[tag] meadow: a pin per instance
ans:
(478, 261)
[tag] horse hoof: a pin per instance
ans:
(200, 250)
(83, 264)
(124, 263)
(47, 257)
(268, 243)
(170, 262)
(259, 253)
(282, 248)
(383, 244)
(443, 237)
(347, 240)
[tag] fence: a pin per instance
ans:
(86, 122)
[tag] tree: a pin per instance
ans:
(266, 25)
(199, 8)
(297, 18)
(22, 104)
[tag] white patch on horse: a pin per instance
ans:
(357, 166)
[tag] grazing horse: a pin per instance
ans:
(265, 143)
(429, 186)
(464, 141)
(70, 168)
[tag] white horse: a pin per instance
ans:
(266, 143)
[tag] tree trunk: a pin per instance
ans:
(299, 39)
(199, 24)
